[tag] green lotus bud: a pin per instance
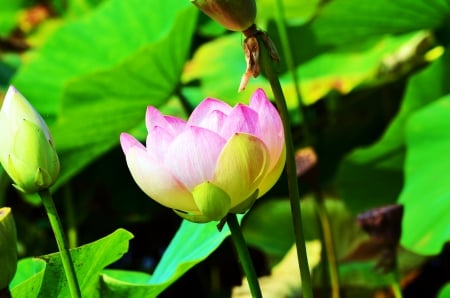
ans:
(27, 152)
(235, 15)
(8, 247)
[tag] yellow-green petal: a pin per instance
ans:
(245, 205)
(8, 247)
(272, 177)
(33, 163)
(242, 165)
(193, 217)
(211, 200)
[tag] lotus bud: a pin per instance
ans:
(27, 152)
(234, 15)
(8, 247)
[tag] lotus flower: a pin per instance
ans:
(218, 161)
(27, 152)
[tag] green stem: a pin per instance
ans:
(244, 255)
(294, 196)
(288, 57)
(66, 259)
(320, 206)
(329, 247)
(396, 289)
(395, 285)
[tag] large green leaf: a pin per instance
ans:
(88, 260)
(103, 70)
(28, 279)
(222, 60)
(426, 195)
(347, 21)
(101, 41)
(192, 244)
(373, 176)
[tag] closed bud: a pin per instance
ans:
(8, 247)
(27, 153)
(235, 15)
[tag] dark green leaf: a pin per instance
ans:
(373, 176)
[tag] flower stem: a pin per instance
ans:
(66, 259)
(287, 54)
(396, 289)
(294, 196)
(395, 285)
(320, 206)
(244, 255)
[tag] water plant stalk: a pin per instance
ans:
(244, 255)
(395, 285)
(319, 202)
(58, 231)
(294, 196)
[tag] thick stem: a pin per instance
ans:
(397, 290)
(288, 57)
(66, 259)
(329, 247)
(244, 255)
(294, 196)
(395, 285)
(321, 210)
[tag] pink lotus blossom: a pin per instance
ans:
(218, 161)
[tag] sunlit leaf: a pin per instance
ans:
(445, 291)
(426, 195)
(98, 85)
(28, 279)
(103, 40)
(222, 60)
(284, 280)
(192, 244)
(88, 260)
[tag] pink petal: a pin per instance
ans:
(240, 119)
(128, 141)
(192, 156)
(176, 125)
(157, 182)
(170, 124)
(153, 117)
(206, 113)
(271, 128)
(158, 140)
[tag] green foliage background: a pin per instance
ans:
(374, 80)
